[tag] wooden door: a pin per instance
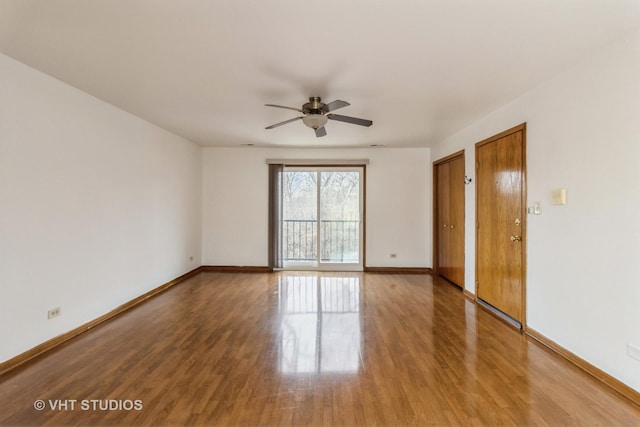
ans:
(456, 221)
(442, 229)
(449, 218)
(500, 222)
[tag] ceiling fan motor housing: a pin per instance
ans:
(314, 106)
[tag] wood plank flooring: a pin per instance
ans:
(305, 349)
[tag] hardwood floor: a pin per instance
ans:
(307, 349)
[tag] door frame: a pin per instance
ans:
(436, 228)
(322, 167)
(523, 202)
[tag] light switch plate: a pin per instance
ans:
(559, 197)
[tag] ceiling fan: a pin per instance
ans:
(316, 113)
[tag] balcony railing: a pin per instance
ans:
(339, 240)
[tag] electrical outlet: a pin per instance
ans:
(54, 312)
(633, 351)
(534, 209)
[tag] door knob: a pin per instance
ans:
(516, 238)
(445, 226)
(453, 226)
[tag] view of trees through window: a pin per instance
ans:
(338, 224)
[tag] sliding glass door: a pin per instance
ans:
(322, 218)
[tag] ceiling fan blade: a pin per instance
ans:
(321, 132)
(335, 105)
(282, 106)
(352, 120)
(283, 123)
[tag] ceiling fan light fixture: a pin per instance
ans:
(315, 121)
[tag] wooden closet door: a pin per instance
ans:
(456, 221)
(443, 224)
(449, 221)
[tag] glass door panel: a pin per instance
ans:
(300, 218)
(322, 226)
(340, 217)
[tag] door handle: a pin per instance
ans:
(453, 226)
(516, 238)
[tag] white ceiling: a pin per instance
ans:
(421, 70)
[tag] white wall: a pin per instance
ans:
(96, 207)
(583, 269)
(235, 204)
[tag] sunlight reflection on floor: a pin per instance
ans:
(320, 324)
